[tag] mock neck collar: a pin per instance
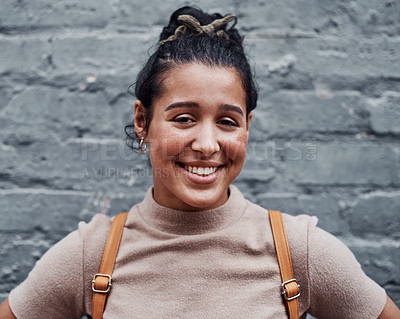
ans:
(192, 222)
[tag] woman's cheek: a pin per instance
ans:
(167, 144)
(235, 149)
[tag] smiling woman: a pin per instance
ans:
(195, 247)
(197, 136)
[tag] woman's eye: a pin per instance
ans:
(183, 119)
(228, 122)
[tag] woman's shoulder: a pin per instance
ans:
(97, 223)
(298, 230)
(97, 228)
(294, 224)
(78, 255)
(321, 260)
(298, 227)
(93, 236)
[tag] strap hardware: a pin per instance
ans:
(284, 292)
(103, 278)
(290, 288)
(108, 283)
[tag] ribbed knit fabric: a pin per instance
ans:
(218, 263)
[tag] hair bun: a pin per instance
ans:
(185, 20)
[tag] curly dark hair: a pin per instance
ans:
(191, 48)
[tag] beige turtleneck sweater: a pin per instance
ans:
(218, 263)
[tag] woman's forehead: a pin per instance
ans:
(203, 81)
(199, 68)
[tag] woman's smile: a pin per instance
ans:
(201, 168)
(201, 175)
(197, 136)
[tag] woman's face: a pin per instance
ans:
(197, 136)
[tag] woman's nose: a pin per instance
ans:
(206, 140)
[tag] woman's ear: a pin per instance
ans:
(248, 120)
(139, 119)
(249, 117)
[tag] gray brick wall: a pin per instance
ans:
(324, 139)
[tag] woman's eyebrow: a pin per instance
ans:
(181, 104)
(222, 107)
(228, 107)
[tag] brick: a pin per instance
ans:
(75, 164)
(320, 18)
(256, 175)
(376, 17)
(280, 17)
(53, 211)
(133, 13)
(92, 54)
(113, 85)
(277, 153)
(65, 114)
(329, 56)
(393, 292)
(289, 113)
(46, 13)
(116, 89)
(342, 164)
(18, 255)
(16, 134)
(325, 207)
(379, 259)
(294, 18)
(27, 56)
(122, 203)
(385, 113)
(376, 87)
(376, 213)
(6, 92)
(111, 203)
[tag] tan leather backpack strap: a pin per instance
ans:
(101, 283)
(290, 288)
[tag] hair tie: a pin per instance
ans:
(190, 23)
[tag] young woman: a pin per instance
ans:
(195, 248)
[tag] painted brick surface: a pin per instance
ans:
(324, 138)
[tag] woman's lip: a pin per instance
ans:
(201, 163)
(199, 179)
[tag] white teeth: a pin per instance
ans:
(201, 170)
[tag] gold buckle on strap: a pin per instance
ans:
(283, 289)
(108, 284)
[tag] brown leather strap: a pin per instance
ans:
(101, 283)
(290, 288)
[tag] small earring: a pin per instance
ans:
(142, 146)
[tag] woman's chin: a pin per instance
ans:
(203, 200)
